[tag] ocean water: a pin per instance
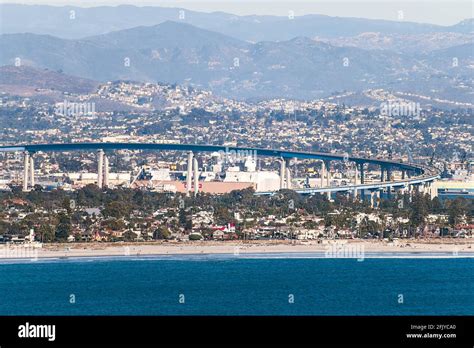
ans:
(238, 285)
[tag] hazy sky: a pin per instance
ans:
(444, 12)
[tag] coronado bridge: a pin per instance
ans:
(413, 176)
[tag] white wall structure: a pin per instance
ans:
(282, 174)
(196, 176)
(265, 181)
(106, 171)
(100, 168)
(32, 172)
(250, 164)
(162, 174)
(189, 173)
(288, 177)
(26, 168)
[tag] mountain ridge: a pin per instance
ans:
(176, 52)
(91, 21)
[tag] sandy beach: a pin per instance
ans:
(333, 248)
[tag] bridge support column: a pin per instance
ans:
(32, 171)
(362, 179)
(433, 190)
(106, 171)
(377, 198)
(282, 173)
(389, 178)
(425, 188)
(328, 177)
(288, 175)
(189, 173)
(356, 180)
(323, 173)
(356, 174)
(26, 168)
(372, 199)
(196, 176)
(100, 168)
(384, 174)
(403, 190)
(328, 173)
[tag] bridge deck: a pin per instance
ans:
(426, 174)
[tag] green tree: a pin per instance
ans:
(195, 236)
(456, 209)
(161, 232)
(46, 233)
(129, 236)
(116, 209)
(63, 230)
(418, 210)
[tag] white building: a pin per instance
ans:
(264, 181)
(162, 174)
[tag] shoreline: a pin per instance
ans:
(291, 249)
(216, 257)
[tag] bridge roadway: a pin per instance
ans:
(423, 174)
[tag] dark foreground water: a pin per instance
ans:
(229, 285)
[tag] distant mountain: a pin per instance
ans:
(79, 22)
(79, 58)
(407, 44)
(466, 26)
(459, 60)
(464, 51)
(25, 80)
(180, 53)
(167, 34)
(304, 68)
